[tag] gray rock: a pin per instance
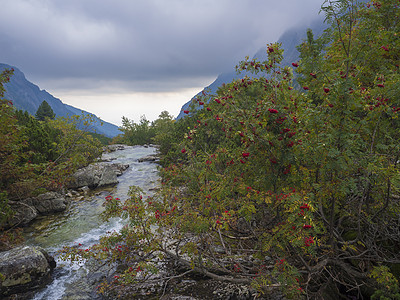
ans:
(148, 158)
(48, 203)
(23, 269)
(85, 189)
(119, 169)
(23, 214)
(112, 148)
(93, 176)
(25, 211)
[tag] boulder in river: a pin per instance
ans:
(152, 157)
(115, 147)
(95, 175)
(28, 209)
(119, 169)
(24, 269)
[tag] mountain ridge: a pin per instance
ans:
(289, 39)
(27, 96)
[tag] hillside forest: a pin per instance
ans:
(285, 180)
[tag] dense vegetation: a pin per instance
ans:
(277, 187)
(144, 132)
(38, 154)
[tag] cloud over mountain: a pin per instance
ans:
(139, 46)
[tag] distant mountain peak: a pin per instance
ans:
(27, 96)
(289, 39)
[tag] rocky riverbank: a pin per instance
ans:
(24, 269)
(79, 226)
(96, 175)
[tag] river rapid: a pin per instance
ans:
(81, 224)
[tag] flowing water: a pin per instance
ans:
(81, 224)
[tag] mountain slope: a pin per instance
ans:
(27, 96)
(289, 39)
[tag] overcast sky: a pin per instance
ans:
(130, 58)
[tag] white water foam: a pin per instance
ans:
(69, 274)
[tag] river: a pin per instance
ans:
(81, 224)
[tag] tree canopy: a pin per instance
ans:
(44, 112)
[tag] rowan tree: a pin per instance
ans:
(277, 187)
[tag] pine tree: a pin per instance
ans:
(44, 111)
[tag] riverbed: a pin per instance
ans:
(81, 224)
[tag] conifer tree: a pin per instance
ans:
(44, 111)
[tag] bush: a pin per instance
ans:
(278, 187)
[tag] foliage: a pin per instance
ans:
(36, 156)
(135, 133)
(44, 111)
(388, 284)
(40, 138)
(104, 140)
(10, 148)
(9, 144)
(5, 210)
(10, 238)
(52, 151)
(146, 132)
(163, 127)
(279, 187)
(77, 149)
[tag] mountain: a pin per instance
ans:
(289, 39)
(27, 96)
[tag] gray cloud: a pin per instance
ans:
(76, 49)
(140, 40)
